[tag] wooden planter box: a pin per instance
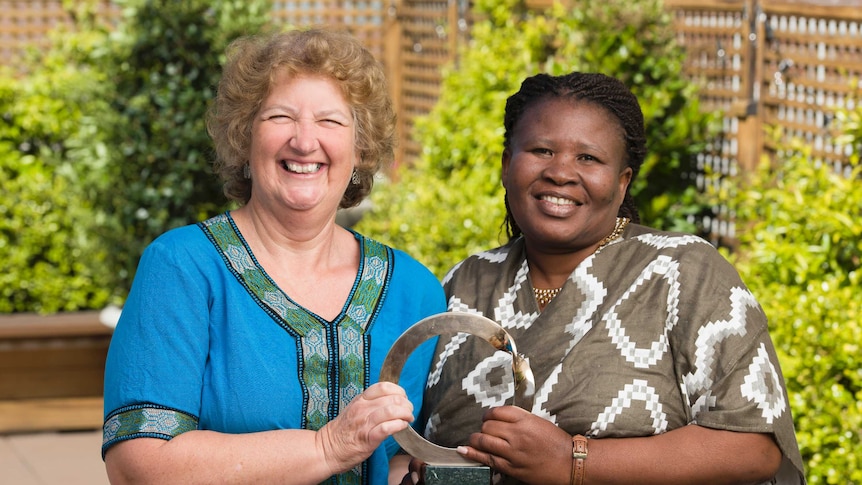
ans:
(52, 371)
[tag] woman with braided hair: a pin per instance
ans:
(652, 360)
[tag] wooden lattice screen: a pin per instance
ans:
(810, 59)
(367, 20)
(783, 63)
(26, 23)
(774, 63)
(429, 33)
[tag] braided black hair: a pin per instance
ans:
(605, 91)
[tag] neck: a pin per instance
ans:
(552, 269)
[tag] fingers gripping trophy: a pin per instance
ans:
(444, 466)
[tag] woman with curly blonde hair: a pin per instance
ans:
(250, 345)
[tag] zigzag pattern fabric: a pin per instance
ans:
(653, 332)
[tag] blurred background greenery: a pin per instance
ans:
(103, 147)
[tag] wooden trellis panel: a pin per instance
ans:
(26, 23)
(781, 63)
(811, 57)
(716, 36)
(770, 65)
(429, 33)
(784, 64)
(364, 19)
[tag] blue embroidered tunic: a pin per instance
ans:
(207, 340)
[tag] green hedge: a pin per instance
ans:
(52, 161)
(103, 147)
(165, 64)
(800, 247)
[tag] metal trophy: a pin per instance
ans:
(444, 466)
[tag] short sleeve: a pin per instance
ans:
(155, 364)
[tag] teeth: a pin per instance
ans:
(302, 167)
(557, 200)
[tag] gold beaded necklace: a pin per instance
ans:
(619, 227)
(545, 295)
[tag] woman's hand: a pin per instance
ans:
(522, 445)
(374, 415)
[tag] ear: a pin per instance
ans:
(625, 178)
(505, 159)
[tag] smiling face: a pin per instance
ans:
(303, 146)
(565, 174)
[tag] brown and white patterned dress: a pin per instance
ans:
(653, 332)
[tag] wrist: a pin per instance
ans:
(579, 459)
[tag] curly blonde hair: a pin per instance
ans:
(247, 78)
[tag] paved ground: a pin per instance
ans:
(66, 458)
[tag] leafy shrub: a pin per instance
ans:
(800, 246)
(166, 65)
(449, 203)
(103, 147)
(52, 155)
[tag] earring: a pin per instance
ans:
(354, 179)
(246, 171)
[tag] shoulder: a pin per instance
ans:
(648, 243)
(412, 287)
(183, 246)
(182, 235)
(694, 259)
(182, 239)
(491, 259)
(666, 239)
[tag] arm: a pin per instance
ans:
(529, 448)
(398, 468)
(691, 454)
(283, 456)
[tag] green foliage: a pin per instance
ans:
(800, 246)
(103, 147)
(449, 203)
(165, 66)
(51, 157)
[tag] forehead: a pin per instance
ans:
(564, 114)
(306, 88)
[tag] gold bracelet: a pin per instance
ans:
(579, 455)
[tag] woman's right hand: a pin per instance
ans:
(380, 411)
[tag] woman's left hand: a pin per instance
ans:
(522, 445)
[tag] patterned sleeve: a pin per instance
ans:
(729, 368)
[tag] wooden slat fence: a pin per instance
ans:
(26, 23)
(810, 59)
(428, 35)
(788, 64)
(782, 63)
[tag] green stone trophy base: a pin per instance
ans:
(457, 475)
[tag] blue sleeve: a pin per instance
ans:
(155, 364)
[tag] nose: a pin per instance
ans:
(303, 139)
(562, 169)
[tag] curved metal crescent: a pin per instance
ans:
(432, 326)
